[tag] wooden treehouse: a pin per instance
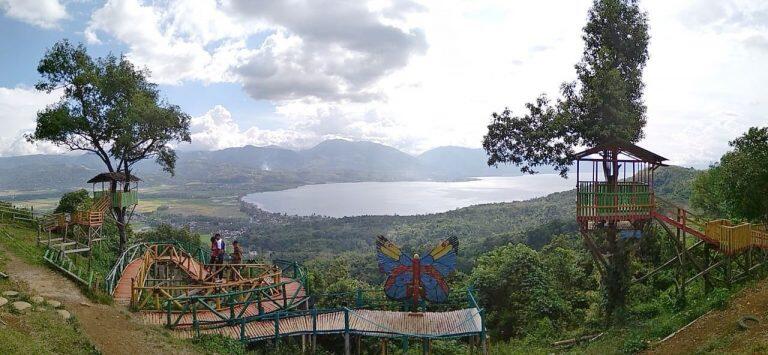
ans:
(615, 196)
(86, 225)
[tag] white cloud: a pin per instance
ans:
(42, 13)
(417, 75)
(217, 130)
(18, 112)
(307, 52)
(185, 40)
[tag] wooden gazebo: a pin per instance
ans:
(615, 184)
(122, 197)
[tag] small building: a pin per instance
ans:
(615, 184)
(123, 197)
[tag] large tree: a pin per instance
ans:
(110, 109)
(737, 186)
(604, 103)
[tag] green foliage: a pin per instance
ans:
(514, 287)
(736, 187)
(74, 201)
(167, 233)
(605, 102)
(110, 109)
(217, 344)
(633, 345)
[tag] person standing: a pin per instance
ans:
(237, 253)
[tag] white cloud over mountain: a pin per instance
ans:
(420, 74)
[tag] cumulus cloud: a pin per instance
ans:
(185, 40)
(18, 112)
(216, 129)
(41, 13)
(327, 49)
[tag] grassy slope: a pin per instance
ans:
(37, 332)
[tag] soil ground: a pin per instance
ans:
(111, 329)
(719, 332)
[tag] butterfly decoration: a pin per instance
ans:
(417, 278)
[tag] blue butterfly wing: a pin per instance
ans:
(443, 257)
(435, 288)
(397, 266)
(396, 286)
(389, 256)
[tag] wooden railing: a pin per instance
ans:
(600, 201)
(203, 279)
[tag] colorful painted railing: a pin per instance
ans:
(600, 201)
(120, 198)
(722, 233)
(130, 254)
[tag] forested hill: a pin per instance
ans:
(480, 228)
(253, 169)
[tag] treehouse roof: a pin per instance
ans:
(109, 177)
(623, 147)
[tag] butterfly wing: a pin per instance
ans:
(397, 266)
(443, 257)
(434, 286)
(396, 286)
(436, 266)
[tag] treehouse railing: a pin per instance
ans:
(600, 201)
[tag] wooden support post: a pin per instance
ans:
(707, 259)
(358, 351)
(384, 349)
(347, 350)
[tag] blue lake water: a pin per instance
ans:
(406, 197)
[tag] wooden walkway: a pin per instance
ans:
(122, 293)
(464, 322)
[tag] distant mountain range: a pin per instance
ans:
(330, 161)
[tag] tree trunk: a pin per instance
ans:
(121, 227)
(616, 279)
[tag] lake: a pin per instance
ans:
(405, 197)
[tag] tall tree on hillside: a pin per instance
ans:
(737, 186)
(605, 102)
(110, 109)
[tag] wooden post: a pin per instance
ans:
(357, 345)
(347, 349)
(384, 346)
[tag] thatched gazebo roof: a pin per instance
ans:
(110, 177)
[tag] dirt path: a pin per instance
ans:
(718, 330)
(113, 330)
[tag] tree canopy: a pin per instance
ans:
(737, 186)
(604, 102)
(108, 108)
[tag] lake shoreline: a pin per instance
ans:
(403, 198)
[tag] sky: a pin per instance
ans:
(411, 74)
